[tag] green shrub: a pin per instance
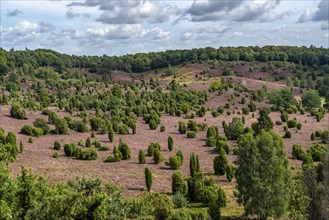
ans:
(292, 123)
(317, 152)
(123, 129)
(178, 184)
(299, 126)
(175, 162)
(88, 142)
(278, 122)
(37, 132)
(97, 144)
(27, 129)
(312, 136)
(325, 137)
(124, 149)
(190, 134)
(17, 112)
(152, 124)
(287, 134)
(297, 152)
(182, 128)
(170, 143)
(234, 129)
(220, 144)
(284, 117)
(57, 145)
(157, 157)
(245, 110)
(180, 154)
(104, 148)
(141, 157)
(212, 131)
(30, 140)
(148, 178)
(69, 150)
(61, 126)
(117, 156)
(162, 128)
(152, 146)
(95, 123)
(11, 138)
(41, 123)
(211, 141)
(89, 154)
(220, 163)
(55, 154)
(180, 201)
(229, 172)
(111, 134)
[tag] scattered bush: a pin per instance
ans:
(317, 151)
(182, 128)
(229, 172)
(170, 143)
(57, 145)
(17, 112)
(148, 178)
(178, 184)
(175, 162)
(180, 201)
(55, 154)
(287, 134)
(69, 150)
(123, 129)
(297, 152)
(124, 149)
(191, 134)
(41, 123)
(152, 146)
(141, 157)
(220, 163)
(157, 157)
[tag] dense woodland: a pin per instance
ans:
(78, 94)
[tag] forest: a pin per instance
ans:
(226, 133)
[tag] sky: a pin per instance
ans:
(97, 27)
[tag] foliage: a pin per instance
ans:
(263, 156)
